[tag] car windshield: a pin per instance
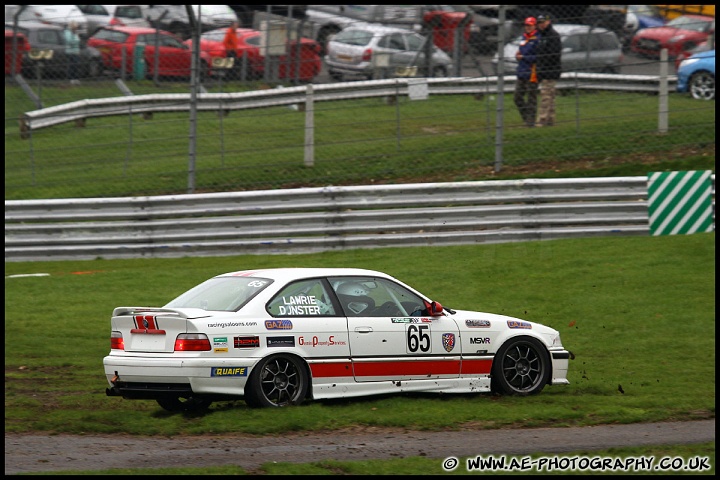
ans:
(226, 294)
(647, 10)
(354, 37)
(689, 23)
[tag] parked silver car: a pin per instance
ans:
(376, 51)
(584, 49)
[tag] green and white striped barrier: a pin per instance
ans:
(680, 202)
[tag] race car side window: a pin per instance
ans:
(376, 297)
(306, 298)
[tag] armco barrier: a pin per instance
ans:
(82, 110)
(330, 218)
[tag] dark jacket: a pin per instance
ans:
(549, 51)
(526, 65)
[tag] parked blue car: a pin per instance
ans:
(697, 75)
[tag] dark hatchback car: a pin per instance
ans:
(47, 52)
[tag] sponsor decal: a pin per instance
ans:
(316, 342)
(220, 344)
(518, 324)
(402, 320)
(281, 341)
(278, 324)
(479, 340)
(448, 341)
(232, 324)
(411, 320)
(246, 342)
(228, 371)
(477, 323)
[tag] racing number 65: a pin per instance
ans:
(417, 338)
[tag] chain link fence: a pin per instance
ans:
(423, 133)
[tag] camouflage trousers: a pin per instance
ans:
(546, 113)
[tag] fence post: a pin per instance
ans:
(309, 127)
(663, 93)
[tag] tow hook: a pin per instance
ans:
(115, 378)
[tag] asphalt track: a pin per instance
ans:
(33, 453)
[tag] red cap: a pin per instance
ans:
(530, 21)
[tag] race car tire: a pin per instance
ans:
(521, 367)
(702, 86)
(277, 381)
(184, 404)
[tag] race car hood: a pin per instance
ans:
(501, 321)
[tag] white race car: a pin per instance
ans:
(278, 336)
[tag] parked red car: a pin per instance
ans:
(678, 35)
(308, 67)
(173, 60)
(21, 46)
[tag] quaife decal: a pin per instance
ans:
(278, 324)
(448, 340)
(477, 323)
(281, 341)
(228, 371)
(518, 324)
(246, 342)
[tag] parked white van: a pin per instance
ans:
(60, 15)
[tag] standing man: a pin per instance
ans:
(72, 53)
(230, 43)
(549, 68)
(526, 85)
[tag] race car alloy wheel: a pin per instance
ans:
(183, 404)
(521, 367)
(277, 381)
(702, 86)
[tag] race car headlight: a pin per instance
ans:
(556, 342)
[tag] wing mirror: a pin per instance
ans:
(435, 309)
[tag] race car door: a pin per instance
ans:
(391, 336)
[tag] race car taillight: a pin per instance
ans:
(116, 341)
(367, 55)
(192, 342)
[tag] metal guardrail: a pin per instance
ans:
(330, 218)
(167, 102)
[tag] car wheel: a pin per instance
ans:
(204, 69)
(521, 367)
(277, 381)
(184, 404)
(702, 86)
(439, 72)
(95, 68)
(337, 76)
